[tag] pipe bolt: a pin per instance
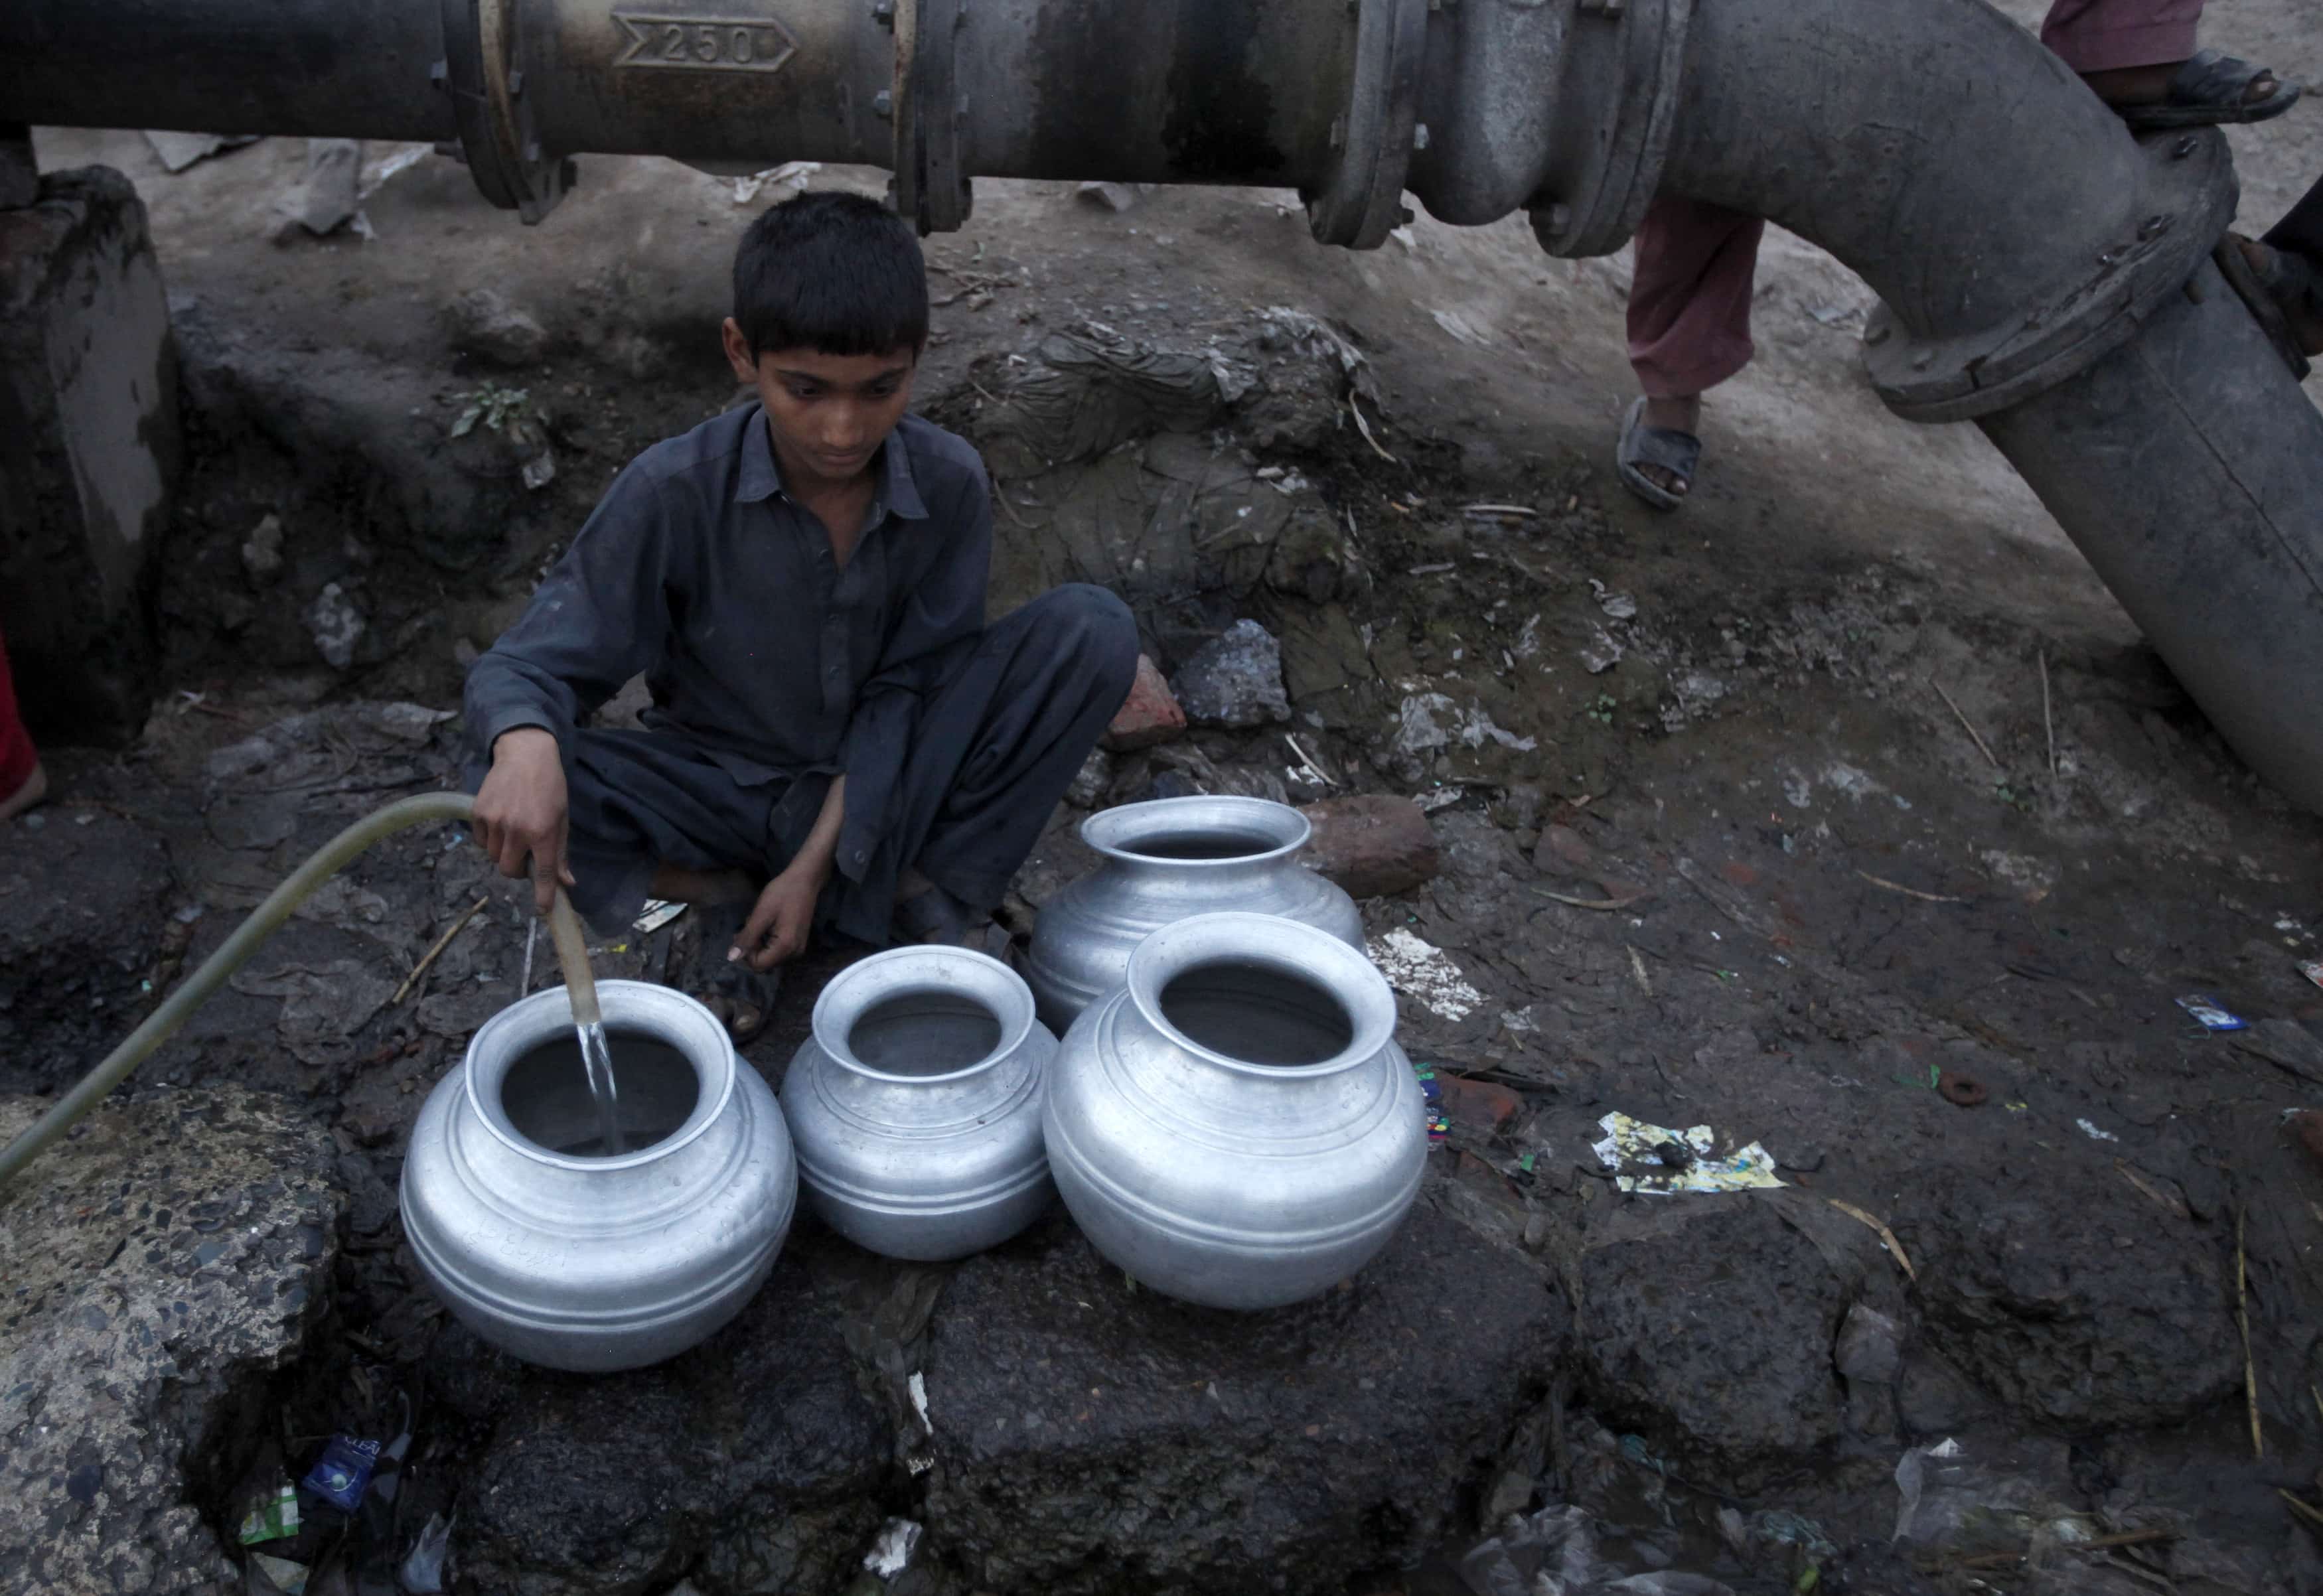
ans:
(1338, 133)
(883, 104)
(1419, 136)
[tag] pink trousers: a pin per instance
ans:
(1690, 290)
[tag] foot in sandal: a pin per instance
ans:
(742, 997)
(2206, 89)
(30, 791)
(1659, 449)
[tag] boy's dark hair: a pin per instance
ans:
(834, 273)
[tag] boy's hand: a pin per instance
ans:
(777, 928)
(520, 810)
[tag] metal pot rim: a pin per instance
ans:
(1276, 943)
(1111, 831)
(898, 972)
(638, 1007)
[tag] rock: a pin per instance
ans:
(1871, 1346)
(1371, 844)
(1092, 781)
(1707, 1323)
(262, 551)
(1150, 715)
(1204, 774)
(1563, 851)
(2286, 1044)
(90, 387)
(1934, 1398)
(81, 918)
(336, 626)
(1111, 196)
(1236, 680)
(2072, 1297)
(486, 325)
(755, 1459)
(1091, 1436)
(325, 199)
(158, 1268)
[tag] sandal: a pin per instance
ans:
(2283, 291)
(936, 916)
(741, 997)
(1676, 453)
(2210, 87)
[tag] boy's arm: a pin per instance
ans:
(599, 619)
(944, 609)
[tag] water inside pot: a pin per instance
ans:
(547, 1098)
(1258, 1014)
(923, 1034)
(1220, 844)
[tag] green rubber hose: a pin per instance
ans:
(266, 919)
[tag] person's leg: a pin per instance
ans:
(1689, 312)
(994, 751)
(2102, 36)
(24, 782)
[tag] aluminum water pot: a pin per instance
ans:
(566, 1258)
(1163, 861)
(1235, 1125)
(916, 1103)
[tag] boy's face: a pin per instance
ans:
(829, 412)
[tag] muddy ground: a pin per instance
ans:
(1764, 817)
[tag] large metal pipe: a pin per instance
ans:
(2019, 237)
(2046, 274)
(2187, 467)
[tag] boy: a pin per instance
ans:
(836, 736)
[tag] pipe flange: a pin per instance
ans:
(1630, 52)
(1361, 201)
(497, 138)
(932, 189)
(2183, 208)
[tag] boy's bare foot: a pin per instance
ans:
(34, 790)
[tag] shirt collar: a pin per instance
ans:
(762, 478)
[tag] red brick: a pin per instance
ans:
(1150, 715)
(1371, 844)
(1478, 1106)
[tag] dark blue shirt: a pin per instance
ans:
(763, 653)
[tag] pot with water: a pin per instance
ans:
(1235, 1125)
(1165, 860)
(916, 1104)
(552, 1250)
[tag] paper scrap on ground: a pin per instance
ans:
(2210, 1013)
(1425, 972)
(2094, 1134)
(658, 913)
(1654, 1158)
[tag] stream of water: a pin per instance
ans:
(597, 1058)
